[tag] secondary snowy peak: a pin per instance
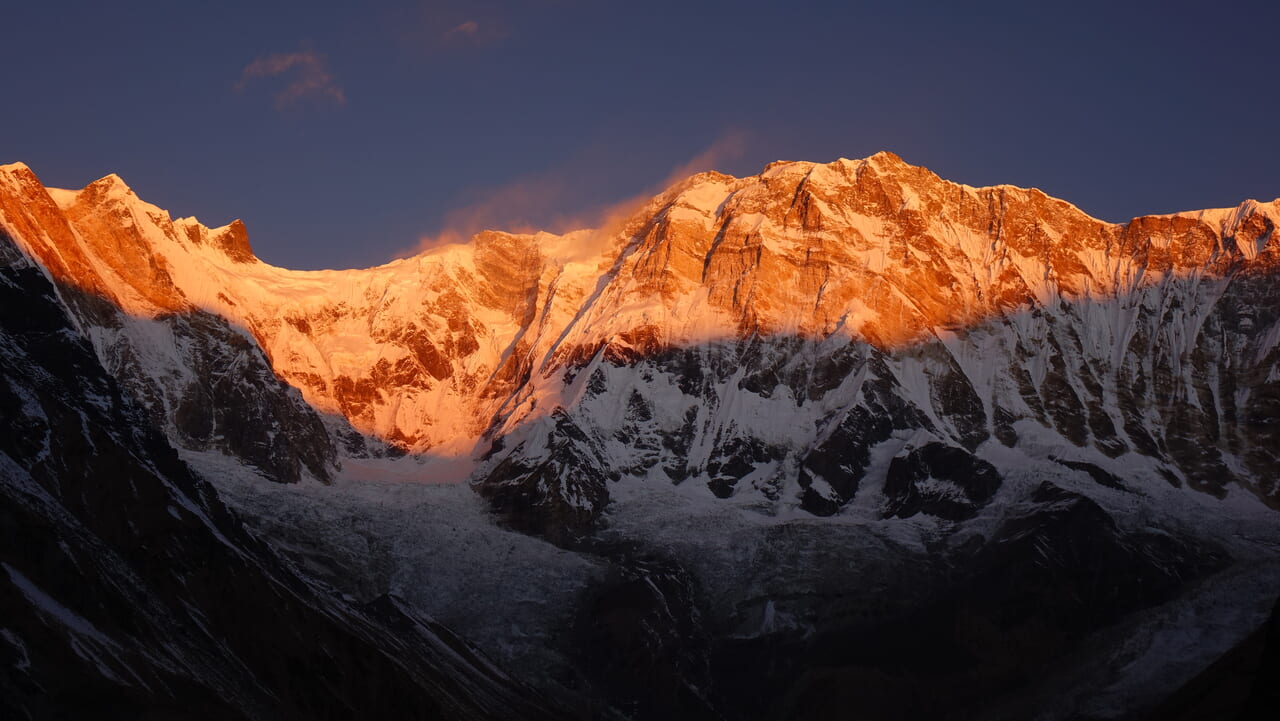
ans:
(107, 241)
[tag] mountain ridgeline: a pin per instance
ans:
(764, 336)
(791, 424)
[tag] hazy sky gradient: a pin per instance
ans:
(343, 135)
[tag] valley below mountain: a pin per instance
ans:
(839, 440)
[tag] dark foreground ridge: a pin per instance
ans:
(129, 591)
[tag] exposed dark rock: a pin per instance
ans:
(1102, 477)
(233, 401)
(841, 460)
(1060, 399)
(735, 458)
(641, 638)
(677, 445)
(940, 480)
(557, 491)
(956, 400)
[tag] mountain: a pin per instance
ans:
(1027, 427)
(842, 303)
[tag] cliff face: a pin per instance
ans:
(815, 329)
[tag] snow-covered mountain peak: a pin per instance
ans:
(1009, 399)
(16, 175)
(1229, 220)
(110, 184)
(11, 169)
(434, 350)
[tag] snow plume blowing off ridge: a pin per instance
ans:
(546, 201)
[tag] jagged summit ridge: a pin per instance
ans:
(963, 313)
(1011, 417)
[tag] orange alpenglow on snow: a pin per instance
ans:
(430, 351)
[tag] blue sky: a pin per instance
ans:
(344, 133)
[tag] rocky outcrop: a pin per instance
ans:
(555, 489)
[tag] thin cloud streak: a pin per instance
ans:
(308, 76)
(530, 204)
(452, 25)
(470, 28)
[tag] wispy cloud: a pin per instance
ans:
(469, 28)
(307, 74)
(477, 32)
(547, 200)
(730, 146)
(451, 25)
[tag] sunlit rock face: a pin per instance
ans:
(799, 335)
(787, 338)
